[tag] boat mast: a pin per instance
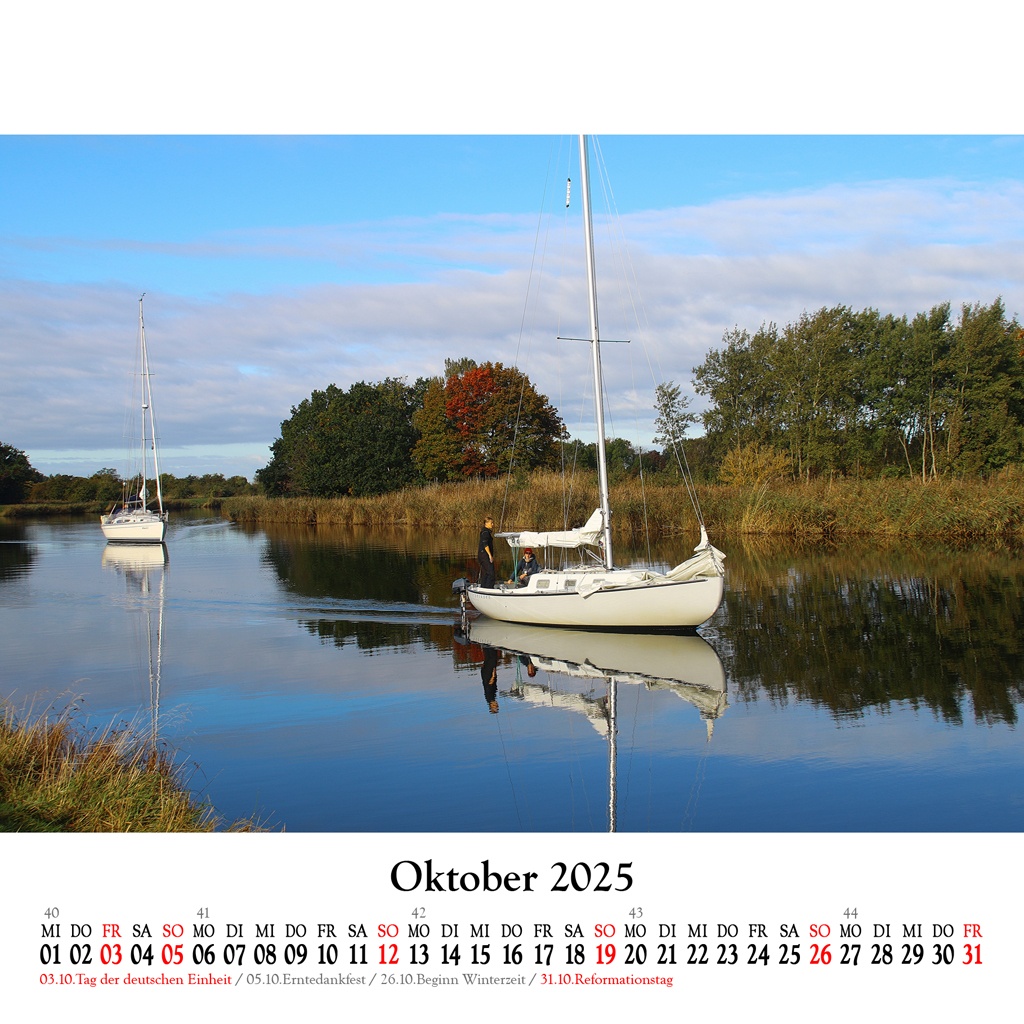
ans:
(147, 406)
(595, 348)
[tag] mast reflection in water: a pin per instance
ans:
(143, 566)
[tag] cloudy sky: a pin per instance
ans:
(276, 264)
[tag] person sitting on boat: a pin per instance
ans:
(525, 568)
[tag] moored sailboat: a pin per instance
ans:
(587, 590)
(132, 520)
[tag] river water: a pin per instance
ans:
(323, 681)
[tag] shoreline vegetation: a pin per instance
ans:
(955, 510)
(55, 778)
(946, 508)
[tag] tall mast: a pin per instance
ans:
(147, 407)
(595, 348)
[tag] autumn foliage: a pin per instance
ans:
(483, 421)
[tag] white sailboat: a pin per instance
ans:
(587, 591)
(131, 520)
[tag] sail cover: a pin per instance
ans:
(587, 534)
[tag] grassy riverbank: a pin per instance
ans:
(949, 509)
(48, 509)
(54, 779)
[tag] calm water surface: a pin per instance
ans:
(322, 681)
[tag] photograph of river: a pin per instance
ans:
(324, 681)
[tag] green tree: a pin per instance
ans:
(820, 391)
(984, 396)
(438, 452)
(740, 381)
(377, 457)
(16, 475)
(105, 485)
(905, 381)
(624, 458)
(337, 442)
(850, 392)
(454, 367)
(672, 420)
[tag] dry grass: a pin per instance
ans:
(53, 779)
(952, 509)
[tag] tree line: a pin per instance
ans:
(479, 420)
(837, 392)
(20, 482)
(840, 392)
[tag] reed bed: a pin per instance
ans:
(54, 779)
(58, 508)
(54, 509)
(953, 509)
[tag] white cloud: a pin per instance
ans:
(228, 367)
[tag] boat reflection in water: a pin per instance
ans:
(595, 665)
(143, 568)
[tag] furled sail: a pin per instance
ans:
(589, 534)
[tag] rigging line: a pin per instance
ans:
(511, 779)
(562, 276)
(643, 324)
(585, 407)
(621, 248)
(650, 722)
(637, 304)
(519, 341)
(530, 289)
(695, 790)
(640, 462)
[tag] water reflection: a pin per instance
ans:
(581, 672)
(143, 567)
(384, 590)
(17, 552)
(687, 666)
(363, 569)
(858, 629)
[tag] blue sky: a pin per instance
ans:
(273, 266)
(342, 196)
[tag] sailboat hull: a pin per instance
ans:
(135, 527)
(664, 604)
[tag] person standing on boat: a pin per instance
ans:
(525, 568)
(485, 554)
